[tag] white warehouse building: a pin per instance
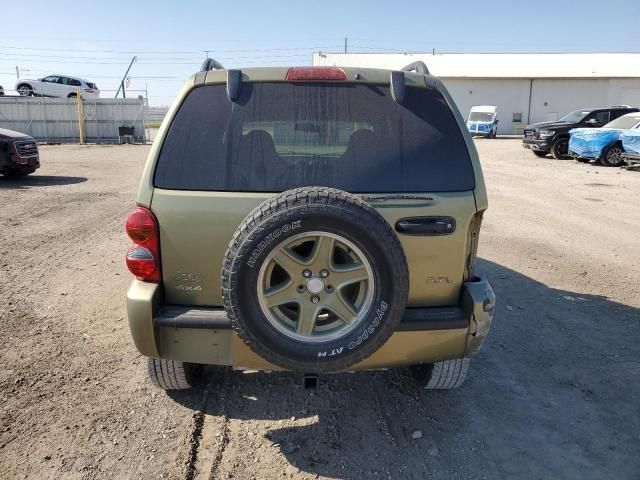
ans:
(526, 87)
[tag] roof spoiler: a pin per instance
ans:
(234, 77)
(210, 64)
(419, 67)
(397, 79)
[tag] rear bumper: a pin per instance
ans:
(632, 159)
(204, 334)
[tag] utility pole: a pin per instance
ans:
(124, 95)
(345, 44)
(80, 115)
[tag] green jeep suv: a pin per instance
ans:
(311, 219)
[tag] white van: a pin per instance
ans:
(483, 120)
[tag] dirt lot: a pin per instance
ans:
(554, 393)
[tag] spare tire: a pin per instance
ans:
(314, 280)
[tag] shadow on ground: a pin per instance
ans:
(553, 394)
(36, 180)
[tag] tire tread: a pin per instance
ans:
(448, 374)
(169, 374)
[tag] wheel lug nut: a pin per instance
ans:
(324, 273)
(306, 273)
(315, 299)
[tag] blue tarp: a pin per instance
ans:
(589, 142)
(631, 141)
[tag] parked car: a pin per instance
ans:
(18, 154)
(483, 120)
(58, 86)
(1, 91)
(251, 172)
(602, 144)
(631, 145)
(553, 137)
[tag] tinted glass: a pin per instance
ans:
(279, 136)
(481, 117)
(600, 117)
(574, 117)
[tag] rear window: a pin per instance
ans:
(279, 136)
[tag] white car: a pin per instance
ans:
(57, 86)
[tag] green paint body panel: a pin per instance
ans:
(196, 227)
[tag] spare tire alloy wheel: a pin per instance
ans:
(315, 280)
(318, 287)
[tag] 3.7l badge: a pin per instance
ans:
(438, 280)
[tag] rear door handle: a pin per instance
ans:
(427, 226)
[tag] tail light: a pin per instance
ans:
(474, 232)
(312, 74)
(143, 258)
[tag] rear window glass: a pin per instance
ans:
(279, 136)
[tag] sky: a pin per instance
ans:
(96, 40)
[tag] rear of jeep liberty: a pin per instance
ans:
(311, 219)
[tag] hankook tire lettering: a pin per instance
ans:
(269, 238)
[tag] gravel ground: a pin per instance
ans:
(553, 394)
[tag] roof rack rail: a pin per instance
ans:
(210, 64)
(419, 67)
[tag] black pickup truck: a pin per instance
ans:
(18, 154)
(553, 137)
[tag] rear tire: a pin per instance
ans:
(612, 156)
(560, 149)
(539, 153)
(25, 90)
(171, 374)
(444, 375)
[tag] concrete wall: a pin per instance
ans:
(510, 96)
(550, 98)
(56, 119)
(155, 114)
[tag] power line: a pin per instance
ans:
(160, 52)
(180, 61)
